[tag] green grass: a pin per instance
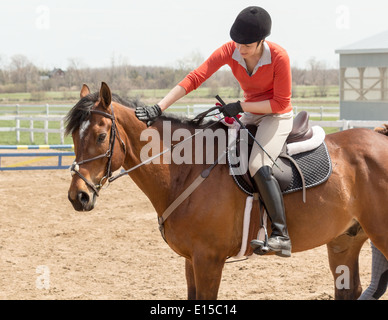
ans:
(308, 93)
(39, 97)
(315, 92)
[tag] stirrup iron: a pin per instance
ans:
(260, 247)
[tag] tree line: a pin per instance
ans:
(21, 75)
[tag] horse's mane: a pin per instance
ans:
(81, 111)
(179, 120)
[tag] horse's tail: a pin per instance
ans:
(382, 130)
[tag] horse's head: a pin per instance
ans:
(97, 145)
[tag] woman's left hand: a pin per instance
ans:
(231, 109)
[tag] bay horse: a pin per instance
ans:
(207, 227)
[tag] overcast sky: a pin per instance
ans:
(156, 32)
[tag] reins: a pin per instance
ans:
(199, 118)
(74, 169)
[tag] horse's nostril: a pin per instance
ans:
(83, 198)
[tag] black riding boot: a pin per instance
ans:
(272, 197)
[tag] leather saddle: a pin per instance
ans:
(300, 132)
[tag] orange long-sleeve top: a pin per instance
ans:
(272, 81)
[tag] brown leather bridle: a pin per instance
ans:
(74, 169)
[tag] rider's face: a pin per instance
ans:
(249, 50)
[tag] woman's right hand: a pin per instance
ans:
(148, 114)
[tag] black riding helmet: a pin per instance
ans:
(253, 24)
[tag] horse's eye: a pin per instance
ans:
(101, 138)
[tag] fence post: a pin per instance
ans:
(62, 129)
(46, 124)
(17, 123)
(17, 130)
(46, 132)
(345, 125)
(32, 131)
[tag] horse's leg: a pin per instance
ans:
(207, 273)
(191, 288)
(343, 254)
(375, 226)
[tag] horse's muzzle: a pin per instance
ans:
(83, 201)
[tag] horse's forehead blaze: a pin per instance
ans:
(83, 127)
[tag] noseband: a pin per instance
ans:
(74, 169)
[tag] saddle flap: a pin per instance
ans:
(285, 175)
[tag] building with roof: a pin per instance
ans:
(364, 79)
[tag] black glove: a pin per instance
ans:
(148, 114)
(231, 109)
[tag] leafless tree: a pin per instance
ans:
(23, 72)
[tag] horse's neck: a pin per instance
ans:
(155, 180)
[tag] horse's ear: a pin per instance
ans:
(84, 91)
(105, 96)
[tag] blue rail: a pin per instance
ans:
(39, 156)
(34, 147)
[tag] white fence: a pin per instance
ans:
(31, 129)
(30, 109)
(314, 111)
(347, 124)
(189, 110)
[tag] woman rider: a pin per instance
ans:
(263, 71)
